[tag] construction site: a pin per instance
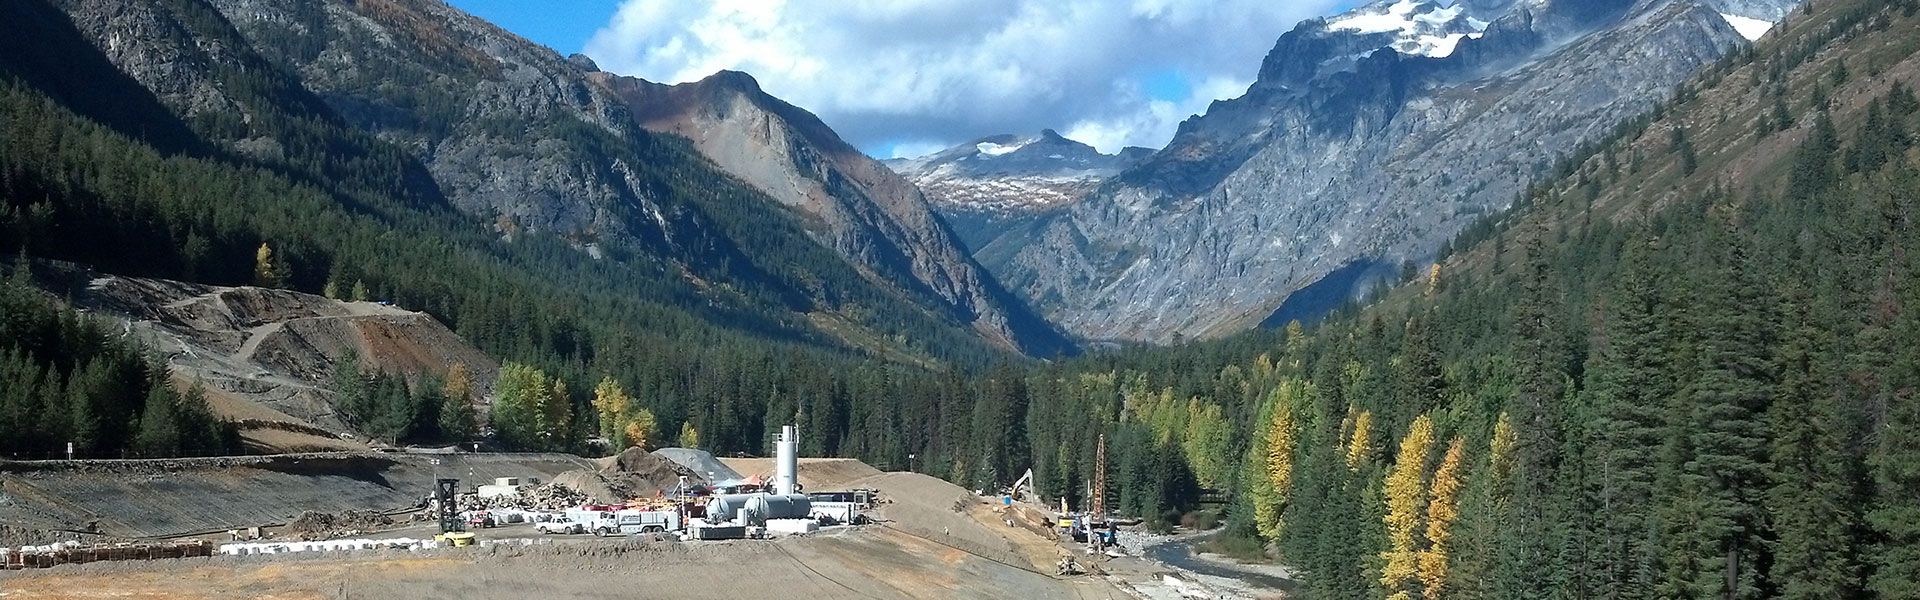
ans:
(669, 523)
(316, 512)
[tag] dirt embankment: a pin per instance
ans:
(816, 474)
(872, 563)
(166, 498)
(266, 355)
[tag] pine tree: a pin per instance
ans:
(1894, 513)
(159, 433)
(1729, 399)
(1808, 503)
(1629, 386)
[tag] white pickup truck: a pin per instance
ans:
(561, 525)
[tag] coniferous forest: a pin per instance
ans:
(1643, 380)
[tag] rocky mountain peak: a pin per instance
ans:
(1370, 138)
(985, 184)
(853, 204)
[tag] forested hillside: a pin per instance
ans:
(706, 323)
(1686, 367)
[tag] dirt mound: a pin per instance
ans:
(700, 463)
(311, 525)
(934, 509)
(816, 474)
(636, 473)
(591, 484)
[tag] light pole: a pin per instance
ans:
(910, 463)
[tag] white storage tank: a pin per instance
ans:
(763, 508)
(722, 507)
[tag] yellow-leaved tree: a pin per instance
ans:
(1272, 458)
(1443, 506)
(1405, 494)
(610, 403)
(689, 437)
(640, 428)
(264, 272)
(1359, 445)
(1500, 452)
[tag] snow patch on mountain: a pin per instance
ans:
(1749, 28)
(992, 149)
(1419, 28)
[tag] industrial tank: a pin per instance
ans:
(761, 508)
(722, 508)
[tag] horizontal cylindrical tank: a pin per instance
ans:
(763, 507)
(722, 507)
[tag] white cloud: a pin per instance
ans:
(925, 73)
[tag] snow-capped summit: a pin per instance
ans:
(985, 182)
(1419, 28)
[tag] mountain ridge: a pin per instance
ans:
(1341, 154)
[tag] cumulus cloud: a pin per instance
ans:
(902, 76)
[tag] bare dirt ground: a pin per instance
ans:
(870, 562)
(935, 540)
(265, 356)
(177, 497)
(816, 474)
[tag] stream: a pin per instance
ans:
(1179, 554)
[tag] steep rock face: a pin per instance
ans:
(487, 129)
(1347, 153)
(852, 203)
(992, 184)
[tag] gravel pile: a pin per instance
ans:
(546, 497)
(312, 525)
(700, 464)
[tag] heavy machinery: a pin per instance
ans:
(1022, 488)
(449, 514)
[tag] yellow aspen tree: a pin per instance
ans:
(610, 401)
(1359, 444)
(459, 384)
(1405, 491)
(689, 437)
(1433, 279)
(264, 273)
(639, 429)
(1443, 506)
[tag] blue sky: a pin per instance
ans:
(562, 26)
(900, 78)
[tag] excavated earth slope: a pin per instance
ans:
(175, 497)
(266, 355)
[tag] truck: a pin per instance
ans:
(561, 525)
(630, 522)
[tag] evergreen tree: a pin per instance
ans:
(1728, 400)
(1808, 503)
(159, 431)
